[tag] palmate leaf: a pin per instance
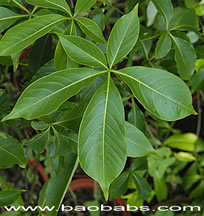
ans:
(102, 143)
(160, 92)
(11, 152)
(24, 34)
(52, 4)
(123, 37)
(48, 93)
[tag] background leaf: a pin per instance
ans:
(8, 197)
(54, 191)
(11, 152)
(164, 7)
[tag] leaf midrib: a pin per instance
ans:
(104, 128)
(154, 90)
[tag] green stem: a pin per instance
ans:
(150, 38)
(22, 7)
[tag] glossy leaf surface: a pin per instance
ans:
(91, 29)
(123, 37)
(138, 144)
(165, 7)
(83, 51)
(162, 93)
(37, 100)
(163, 46)
(52, 4)
(24, 34)
(7, 18)
(83, 5)
(102, 144)
(185, 57)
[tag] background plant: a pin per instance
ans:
(95, 100)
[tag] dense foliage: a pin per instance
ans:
(101, 85)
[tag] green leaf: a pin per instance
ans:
(7, 18)
(185, 57)
(151, 13)
(54, 191)
(191, 177)
(198, 191)
(161, 93)
(14, 3)
(120, 185)
(1, 92)
(143, 187)
(52, 4)
(123, 37)
(37, 100)
(184, 156)
(83, 6)
(62, 145)
(184, 19)
(62, 60)
(11, 152)
(24, 34)
(83, 51)
(185, 142)
(136, 117)
(39, 141)
(41, 53)
(138, 144)
(160, 187)
(163, 46)
(40, 125)
(165, 8)
(198, 81)
(191, 3)
(91, 29)
(102, 144)
(8, 197)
